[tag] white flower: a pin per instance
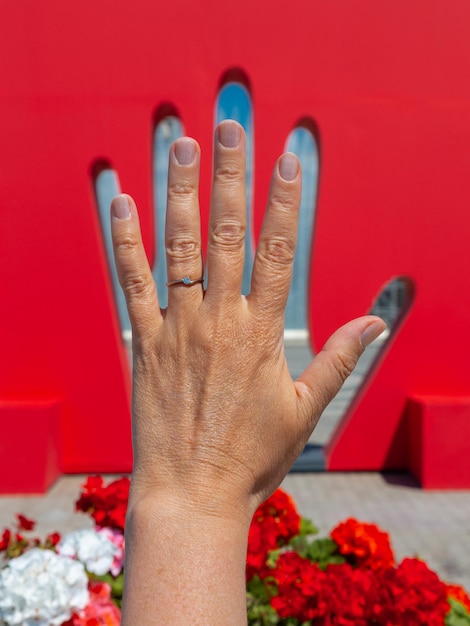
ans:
(41, 588)
(93, 549)
(117, 539)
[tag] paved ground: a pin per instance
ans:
(432, 525)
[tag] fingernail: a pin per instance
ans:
(371, 332)
(120, 207)
(185, 151)
(288, 166)
(229, 134)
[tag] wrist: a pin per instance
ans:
(214, 507)
(183, 548)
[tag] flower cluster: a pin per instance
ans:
(107, 504)
(43, 588)
(347, 579)
(98, 550)
(342, 594)
(293, 579)
(73, 580)
(365, 544)
(275, 522)
(100, 609)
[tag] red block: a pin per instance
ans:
(29, 445)
(439, 436)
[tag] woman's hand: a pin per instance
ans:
(217, 419)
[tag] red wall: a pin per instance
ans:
(386, 85)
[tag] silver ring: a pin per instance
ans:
(185, 281)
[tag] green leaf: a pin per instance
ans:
(259, 611)
(272, 558)
(300, 544)
(324, 551)
(307, 527)
(257, 589)
(458, 615)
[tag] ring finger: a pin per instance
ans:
(182, 228)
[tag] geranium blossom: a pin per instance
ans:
(458, 593)
(117, 539)
(410, 594)
(274, 523)
(107, 504)
(300, 585)
(5, 539)
(100, 611)
(91, 547)
(339, 595)
(41, 588)
(367, 545)
(24, 523)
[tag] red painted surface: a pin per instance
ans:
(437, 440)
(386, 85)
(30, 444)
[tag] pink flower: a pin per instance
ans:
(117, 538)
(100, 611)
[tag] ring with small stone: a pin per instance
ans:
(185, 281)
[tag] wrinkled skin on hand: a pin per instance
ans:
(217, 419)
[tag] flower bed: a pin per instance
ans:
(293, 578)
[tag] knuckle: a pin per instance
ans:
(344, 364)
(228, 172)
(283, 201)
(180, 189)
(183, 248)
(126, 243)
(278, 250)
(228, 234)
(137, 286)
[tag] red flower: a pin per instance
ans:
(351, 592)
(52, 539)
(300, 586)
(365, 544)
(106, 504)
(458, 593)
(100, 611)
(410, 595)
(338, 596)
(5, 540)
(274, 523)
(24, 523)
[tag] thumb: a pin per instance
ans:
(325, 375)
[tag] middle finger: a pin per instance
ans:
(227, 223)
